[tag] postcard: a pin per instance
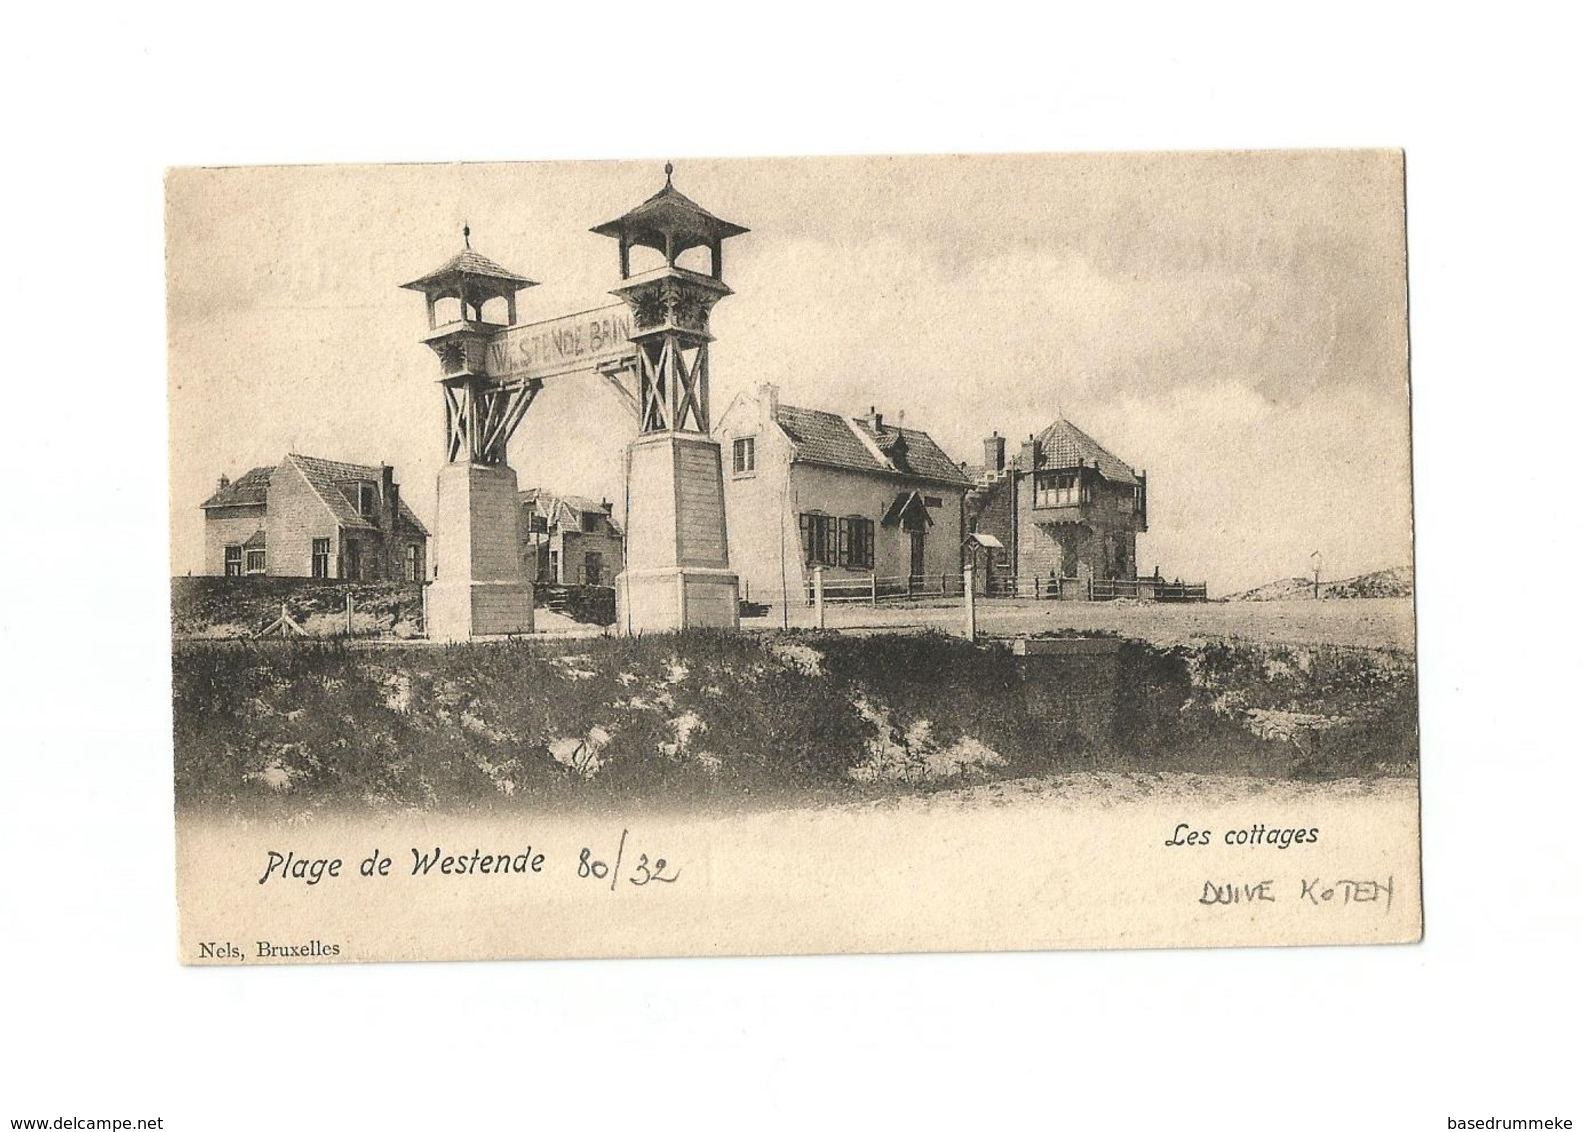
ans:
(798, 555)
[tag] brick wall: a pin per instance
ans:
(991, 511)
(227, 526)
(1106, 547)
(575, 546)
(297, 516)
(842, 493)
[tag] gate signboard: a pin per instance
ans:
(562, 345)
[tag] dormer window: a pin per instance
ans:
(367, 499)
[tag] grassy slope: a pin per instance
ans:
(291, 728)
(225, 608)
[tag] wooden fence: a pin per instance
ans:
(879, 589)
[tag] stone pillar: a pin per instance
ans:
(677, 572)
(481, 588)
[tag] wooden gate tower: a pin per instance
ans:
(677, 572)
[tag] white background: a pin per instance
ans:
(97, 1018)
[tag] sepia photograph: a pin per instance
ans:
(792, 555)
(779, 568)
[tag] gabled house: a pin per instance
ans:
(873, 503)
(570, 539)
(1067, 509)
(312, 518)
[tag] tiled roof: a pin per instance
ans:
(670, 208)
(467, 262)
(583, 503)
(258, 541)
(566, 510)
(828, 438)
(326, 476)
(580, 505)
(252, 489)
(1066, 445)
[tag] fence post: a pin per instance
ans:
(348, 613)
(873, 588)
(972, 605)
(818, 596)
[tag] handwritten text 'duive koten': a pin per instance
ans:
(1315, 892)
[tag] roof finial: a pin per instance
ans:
(466, 235)
(669, 169)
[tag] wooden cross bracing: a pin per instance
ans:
(673, 391)
(481, 416)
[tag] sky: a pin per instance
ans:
(1232, 323)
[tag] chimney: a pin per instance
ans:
(387, 495)
(225, 482)
(874, 419)
(769, 401)
(607, 505)
(1032, 453)
(994, 453)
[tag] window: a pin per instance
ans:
(255, 562)
(820, 539)
(828, 541)
(414, 567)
(590, 522)
(536, 524)
(1126, 501)
(593, 569)
(554, 565)
(367, 499)
(744, 457)
(1059, 489)
(233, 562)
(933, 501)
(354, 559)
(856, 543)
(321, 558)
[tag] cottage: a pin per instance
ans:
(1067, 510)
(570, 539)
(869, 501)
(312, 518)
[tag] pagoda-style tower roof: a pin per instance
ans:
(670, 222)
(472, 280)
(467, 264)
